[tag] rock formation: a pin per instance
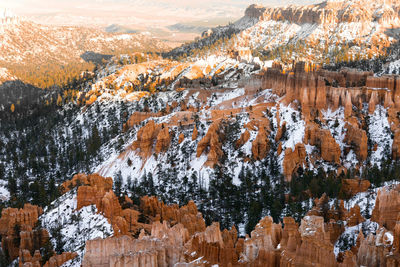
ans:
(293, 159)
(260, 146)
(178, 236)
(25, 218)
(93, 180)
(215, 246)
(396, 145)
(387, 207)
(309, 90)
(244, 137)
(163, 248)
(351, 187)
(145, 138)
(357, 139)
(163, 140)
(59, 260)
(17, 230)
(106, 202)
(315, 247)
(195, 133)
(181, 138)
(261, 248)
(322, 138)
(35, 261)
(187, 215)
(211, 144)
(138, 117)
(25, 258)
(375, 250)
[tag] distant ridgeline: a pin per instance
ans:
(329, 32)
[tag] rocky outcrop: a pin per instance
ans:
(26, 218)
(17, 230)
(26, 259)
(93, 180)
(319, 96)
(314, 91)
(145, 139)
(195, 133)
(387, 207)
(137, 117)
(396, 145)
(351, 187)
(323, 139)
(163, 140)
(151, 136)
(353, 216)
(211, 144)
(59, 260)
(261, 248)
(315, 247)
(244, 137)
(260, 145)
(372, 102)
(290, 236)
(98, 191)
(107, 204)
(375, 250)
(163, 248)
(357, 139)
(293, 159)
(254, 11)
(177, 236)
(215, 247)
(187, 215)
(105, 201)
(181, 138)
(332, 12)
(125, 221)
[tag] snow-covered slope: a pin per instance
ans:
(322, 33)
(75, 227)
(23, 42)
(5, 75)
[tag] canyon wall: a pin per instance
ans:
(178, 236)
(171, 240)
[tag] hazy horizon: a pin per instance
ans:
(131, 12)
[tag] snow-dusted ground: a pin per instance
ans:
(336, 124)
(380, 135)
(4, 194)
(366, 201)
(349, 237)
(295, 128)
(76, 226)
(184, 154)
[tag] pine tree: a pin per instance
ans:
(47, 252)
(12, 186)
(118, 184)
(94, 142)
(56, 234)
(254, 215)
